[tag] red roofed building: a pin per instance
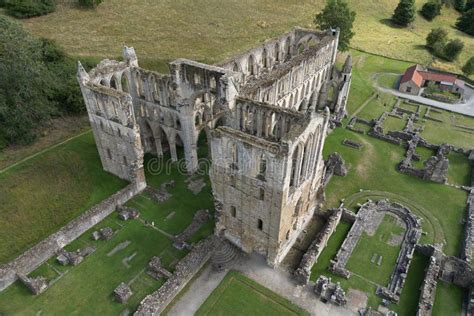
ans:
(416, 77)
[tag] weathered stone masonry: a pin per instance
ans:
(265, 112)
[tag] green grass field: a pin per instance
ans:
(392, 124)
(94, 280)
(43, 194)
(239, 295)
(379, 245)
(211, 30)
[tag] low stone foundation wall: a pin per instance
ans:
(428, 289)
(303, 272)
(155, 303)
(468, 242)
(45, 249)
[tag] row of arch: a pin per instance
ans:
(273, 54)
(262, 122)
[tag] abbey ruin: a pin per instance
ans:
(265, 113)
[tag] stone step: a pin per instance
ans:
(224, 255)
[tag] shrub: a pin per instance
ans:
(459, 5)
(469, 5)
(466, 22)
(90, 3)
(404, 12)
(29, 8)
(452, 49)
(468, 68)
(436, 37)
(430, 10)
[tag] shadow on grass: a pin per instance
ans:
(390, 23)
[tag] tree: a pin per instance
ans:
(468, 68)
(404, 12)
(466, 22)
(430, 10)
(452, 49)
(25, 84)
(435, 37)
(469, 5)
(90, 3)
(459, 5)
(28, 8)
(37, 81)
(337, 13)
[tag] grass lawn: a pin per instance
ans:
(388, 81)
(425, 154)
(378, 245)
(459, 171)
(439, 133)
(42, 194)
(393, 124)
(94, 280)
(211, 30)
(239, 295)
(448, 300)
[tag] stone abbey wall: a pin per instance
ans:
(45, 249)
(265, 112)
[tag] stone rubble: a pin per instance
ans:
(36, 285)
(122, 293)
(127, 213)
(334, 165)
(156, 269)
(105, 233)
(328, 291)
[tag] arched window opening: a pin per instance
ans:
(197, 119)
(103, 82)
(233, 211)
(124, 82)
(109, 153)
(113, 83)
(288, 46)
(178, 123)
(235, 157)
(300, 48)
(294, 161)
(251, 65)
(260, 224)
(277, 52)
(261, 194)
(262, 168)
(288, 235)
(265, 58)
(156, 91)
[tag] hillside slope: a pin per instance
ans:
(211, 30)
